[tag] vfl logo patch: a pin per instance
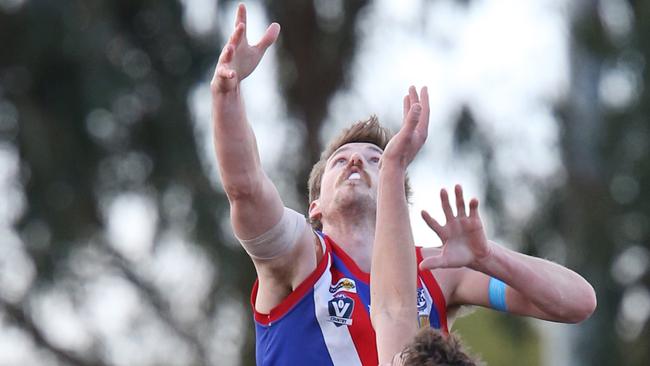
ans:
(422, 300)
(423, 321)
(344, 284)
(423, 316)
(340, 310)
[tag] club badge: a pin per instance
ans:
(340, 310)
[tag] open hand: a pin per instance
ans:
(464, 243)
(403, 147)
(238, 59)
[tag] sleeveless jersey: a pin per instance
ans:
(326, 319)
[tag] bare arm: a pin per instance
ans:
(394, 267)
(535, 287)
(250, 192)
(255, 204)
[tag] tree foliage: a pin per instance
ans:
(94, 101)
(95, 125)
(602, 211)
(99, 93)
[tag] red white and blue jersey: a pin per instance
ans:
(326, 319)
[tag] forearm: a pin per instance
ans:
(559, 293)
(393, 270)
(255, 203)
(235, 145)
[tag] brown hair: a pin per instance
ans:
(432, 348)
(369, 131)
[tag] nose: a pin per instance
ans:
(356, 159)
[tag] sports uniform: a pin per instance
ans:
(326, 319)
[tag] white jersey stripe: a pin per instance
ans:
(337, 339)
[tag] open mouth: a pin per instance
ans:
(354, 176)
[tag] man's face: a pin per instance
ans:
(349, 180)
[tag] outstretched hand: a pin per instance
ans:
(464, 243)
(403, 147)
(238, 59)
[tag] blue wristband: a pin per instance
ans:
(497, 294)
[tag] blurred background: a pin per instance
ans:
(115, 245)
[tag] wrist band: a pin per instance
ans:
(497, 294)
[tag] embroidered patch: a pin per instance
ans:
(422, 300)
(423, 321)
(340, 310)
(344, 284)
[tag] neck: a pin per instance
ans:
(355, 234)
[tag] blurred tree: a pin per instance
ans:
(99, 90)
(93, 95)
(597, 220)
(602, 212)
(316, 51)
(517, 341)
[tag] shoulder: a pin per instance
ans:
(295, 264)
(282, 277)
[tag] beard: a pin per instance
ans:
(352, 202)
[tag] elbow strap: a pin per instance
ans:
(278, 240)
(497, 294)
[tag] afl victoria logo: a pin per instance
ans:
(340, 310)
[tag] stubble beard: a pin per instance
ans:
(355, 205)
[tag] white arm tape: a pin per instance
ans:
(279, 239)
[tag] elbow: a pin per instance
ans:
(239, 191)
(585, 306)
(243, 186)
(590, 304)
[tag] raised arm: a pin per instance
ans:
(272, 235)
(394, 267)
(497, 277)
(250, 192)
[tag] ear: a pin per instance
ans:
(314, 210)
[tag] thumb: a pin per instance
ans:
(270, 36)
(433, 262)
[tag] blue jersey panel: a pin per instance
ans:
(296, 340)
